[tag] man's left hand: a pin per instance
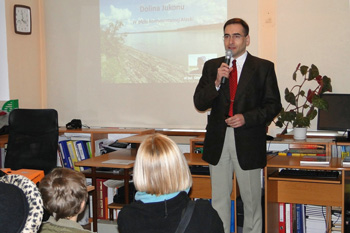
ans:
(235, 121)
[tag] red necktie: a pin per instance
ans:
(233, 86)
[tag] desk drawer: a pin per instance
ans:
(306, 193)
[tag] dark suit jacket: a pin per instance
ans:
(257, 98)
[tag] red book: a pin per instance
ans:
(281, 218)
(101, 199)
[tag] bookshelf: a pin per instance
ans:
(322, 192)
(101, 133)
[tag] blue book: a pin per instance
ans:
(84, 153)
(83, 150)
(299, 208)
(232, 228)
(65, 154)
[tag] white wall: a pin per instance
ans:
(313, 32)
(4, 82)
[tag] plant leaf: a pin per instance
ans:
(301, 121)
(290, 98)
(303, 69)
(312, 113)
(279, 124)
(313, 72)
(319, 103)
(327, 85)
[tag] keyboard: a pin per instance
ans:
(199, 170)
(309, 174)
(341, 139)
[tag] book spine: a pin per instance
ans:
(83, 152)
(300, 215)
(88, 146)
(111, 192)
(289, 218)
(281, 219)
(100, 205)
(78, 150)
(232, 228)
(78, 154)
(303, 217)
(73, 154)
(59, 157)
(65, 155)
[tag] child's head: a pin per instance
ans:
(160, 167)
(64, 192)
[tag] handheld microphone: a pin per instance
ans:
(228, 56)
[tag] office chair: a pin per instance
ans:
(33, 139)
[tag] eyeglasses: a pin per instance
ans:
(235, 36)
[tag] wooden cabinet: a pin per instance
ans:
(314, 191)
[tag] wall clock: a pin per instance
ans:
(22, 19)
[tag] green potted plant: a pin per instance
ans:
(301, 105)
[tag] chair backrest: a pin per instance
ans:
(33, 139)
(21, 205)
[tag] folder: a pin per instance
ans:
(33, 175)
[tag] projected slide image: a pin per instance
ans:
(159, 41)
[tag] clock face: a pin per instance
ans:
(22, 19)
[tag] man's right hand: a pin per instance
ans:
(223, 71)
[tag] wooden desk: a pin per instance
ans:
(99, 161)
(201, 187)
(137, 139)
(3, 140)
(304, 191)
(201, 184)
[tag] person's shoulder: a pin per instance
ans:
(217, 60)
(48, 227)
(203, 204)
(259, 60)
(131, 208)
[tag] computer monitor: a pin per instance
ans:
(337, 117)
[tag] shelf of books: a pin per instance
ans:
(80, 144)
(97, 135)
(315, 151)
(308, 204)
(304, 218)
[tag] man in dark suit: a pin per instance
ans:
(236, 141)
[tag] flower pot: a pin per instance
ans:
(299, 133)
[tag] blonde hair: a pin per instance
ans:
(160, 167)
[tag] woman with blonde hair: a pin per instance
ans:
(162, 180)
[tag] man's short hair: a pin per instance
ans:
(63, 190)
(238, 21)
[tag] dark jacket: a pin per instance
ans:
(257, 98)
(164, 217)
